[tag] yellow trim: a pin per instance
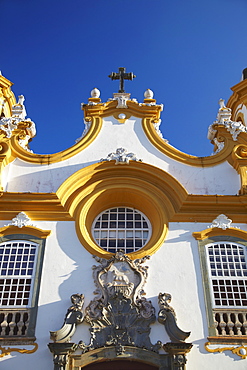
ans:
(100, 186)
(234, 349)
(18, 151)
(215, 231)
(38, 206)
(238, 97)
(11, 229)
(7, 95)
(180, 207)
(188, 159)
(7, 350)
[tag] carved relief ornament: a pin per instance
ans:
(120, 316)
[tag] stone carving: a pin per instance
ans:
(21, 220)
(224, 118)
(219, 144)
(73, 317)
(8, 125)
(156, 125)
(122, 99)
(119, 315)
(222, 222)
(167, 317)
(121, 157)
(85, 131)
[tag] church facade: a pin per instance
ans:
(122, 251)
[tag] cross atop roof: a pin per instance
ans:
(121, 75)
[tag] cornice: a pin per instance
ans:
(39, 206)
(205, 208)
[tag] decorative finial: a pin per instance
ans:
(222, 103)
(122, 75)
(148, 94)
(95, 93)
(21, 99)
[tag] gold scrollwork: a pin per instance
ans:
(4, 147)
(7, 350)
(241, 151)
(241, 351)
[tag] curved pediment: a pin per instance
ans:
(101, 186)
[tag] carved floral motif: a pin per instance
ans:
(21, 220)
(9, 124)
(224, 118)
(121, 156)
(119, 315)
(222, 222)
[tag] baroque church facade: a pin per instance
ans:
(122, 251)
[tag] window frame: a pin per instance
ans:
(32, 309)
(116, 211)
(204, 239)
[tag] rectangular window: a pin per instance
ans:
(224, 273)
(228, 272)
(17, 271)
(21, 262)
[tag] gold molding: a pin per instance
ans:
(104, 185)
(18, 151)
(233, 349)
(7, 95)
(172, 152)
(215, 231)
(7, 350)
(11, 229)
(38, 206)
(238, 97)
(181, 206)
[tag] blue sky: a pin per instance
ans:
(188, 52)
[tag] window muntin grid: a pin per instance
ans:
(228, 274)
(17, 271)
(121, 228)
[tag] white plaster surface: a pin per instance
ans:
(173, 269)
(20, 176)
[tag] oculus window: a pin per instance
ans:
(121, 228)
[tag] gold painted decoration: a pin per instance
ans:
(215, 231)
(241, 351)
(238, 97)
(31, 230)
(5, 351)
(7, 96)
(101, 186)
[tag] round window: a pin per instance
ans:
(121, 228)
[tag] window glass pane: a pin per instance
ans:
(18, 270)
(227, 274)
(128, 230)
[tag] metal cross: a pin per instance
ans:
(121, 75)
